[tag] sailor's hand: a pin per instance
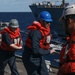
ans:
(52, 51)
(20, 47)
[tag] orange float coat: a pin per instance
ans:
(45, 33)
(15, 37)
(67, 57)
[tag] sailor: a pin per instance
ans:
(37, 45)
(11, 42)
(67, 54)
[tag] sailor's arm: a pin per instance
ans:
(36, 36)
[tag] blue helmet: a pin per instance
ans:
(46, 16)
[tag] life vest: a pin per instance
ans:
(15, 37)
(68, 65)
(62, 55)
(45, 41)
(64, 51)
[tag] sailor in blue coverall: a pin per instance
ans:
(35, 47)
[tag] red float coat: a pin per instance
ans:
(44, 42)
(67, 57)
(15, 37)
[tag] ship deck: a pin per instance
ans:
(22, 70)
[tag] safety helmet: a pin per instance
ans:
(46, 16)
(68, 10)
(13, 23)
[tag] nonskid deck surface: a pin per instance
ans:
(22, 70)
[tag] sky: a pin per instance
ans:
(21, 5)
